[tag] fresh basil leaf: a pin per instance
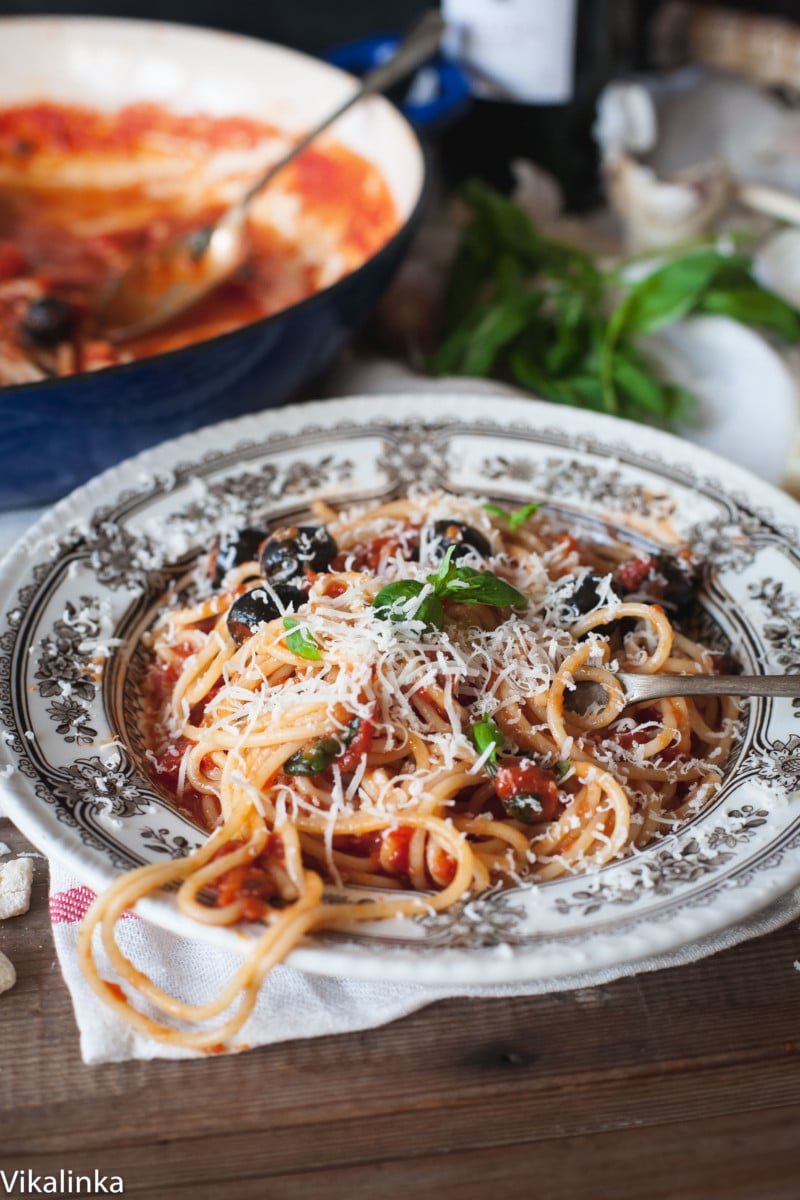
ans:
(468, 586)
(567, 341)
(562, 769)
(667, 294)
(641, 386)
(584, 391)
(527, 372)
(508, 223)
(444, 572)
(496, 511)
(500, 325)
(465, 585)
(681, 404)
(581, 390)
(300, 641)
(520, 515)
(663, 297)
(508, 276)
(461, 584)
(735, 271)
(449, 358)
(516, 518)
(514, 231)
(574, 268)
(394, 602)
(431, 611)
(754, 305)
(394, 596)
(501, 250)
(486, 733)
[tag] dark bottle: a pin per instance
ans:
(536, 69)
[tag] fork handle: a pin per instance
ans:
(655, 687)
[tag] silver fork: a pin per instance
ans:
(639, 688)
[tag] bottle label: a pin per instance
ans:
(520, 50)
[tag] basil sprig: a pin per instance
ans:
(300, 641)
(516, 518)
(319, 754)
(463, 585)
(543, 314)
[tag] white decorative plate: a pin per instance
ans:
(93, 567)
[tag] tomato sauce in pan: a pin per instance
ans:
(82, 192)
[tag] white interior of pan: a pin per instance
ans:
(107, 64)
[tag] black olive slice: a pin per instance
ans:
(586, 594)
(289, 553)
(241, 547)
(661, 579)
(449, 533)
(257, 606)
(680, 589)
(47, 321)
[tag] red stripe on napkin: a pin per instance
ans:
(72, 905)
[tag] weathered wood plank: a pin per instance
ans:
(724, 1157)
(486, 1110)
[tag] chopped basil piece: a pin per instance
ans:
(321, 753)
(526, 807)
(444, 571)
(300, 641)
(516, 518)
(486, 733)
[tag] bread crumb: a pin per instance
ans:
(15, 887)
(8, 976)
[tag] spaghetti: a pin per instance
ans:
(382, 699)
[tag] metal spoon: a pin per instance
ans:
(635, 689)
(168, 279)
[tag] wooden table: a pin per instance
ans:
(681, 1085)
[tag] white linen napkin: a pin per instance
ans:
(293, 1004)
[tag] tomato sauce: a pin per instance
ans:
(83, 192)
(166, 753)
(361, 744)
(522, 779)
(396, 849)
(250, 883)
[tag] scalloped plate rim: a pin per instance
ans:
(447, 966)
